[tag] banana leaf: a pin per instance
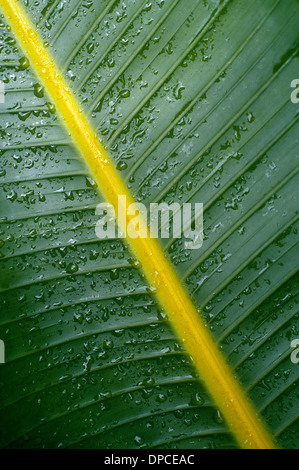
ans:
(193, 100)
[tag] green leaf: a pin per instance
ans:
(192, 98)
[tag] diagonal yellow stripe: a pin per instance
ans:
(213, 369)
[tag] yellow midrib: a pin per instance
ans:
(247, 428)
